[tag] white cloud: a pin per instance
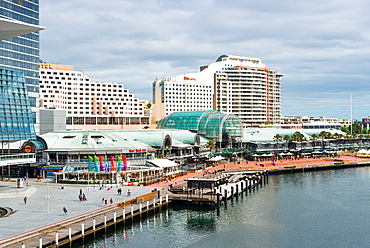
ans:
(318, 46)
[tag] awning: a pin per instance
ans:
(162, 163)
(217, 158)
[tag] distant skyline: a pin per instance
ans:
(321, 48)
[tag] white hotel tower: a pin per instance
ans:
(88, 104)
(237, 85)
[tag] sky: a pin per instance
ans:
(321, 47)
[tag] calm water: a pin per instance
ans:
(311, 209)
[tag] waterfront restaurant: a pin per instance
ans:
(118, 155)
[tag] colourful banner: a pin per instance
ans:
(96, 163)
(101, 160)
(119, 163)
(107, 165)
(90, 164)
(124, 163)
(112, 168)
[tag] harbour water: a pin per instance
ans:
(312, 209)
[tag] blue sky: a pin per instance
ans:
(321, 47)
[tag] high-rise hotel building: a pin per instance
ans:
(237, 85)
(89, 104)
(21, 53)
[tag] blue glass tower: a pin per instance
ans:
(16, 121)
(21, 53)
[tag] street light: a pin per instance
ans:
(47, 196)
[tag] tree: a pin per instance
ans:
(277, 138)
(149, 105)
(314, 137)
(211, 144)
(286, 138)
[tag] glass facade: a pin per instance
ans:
(15, 113)
(22, 53)
(211, 124)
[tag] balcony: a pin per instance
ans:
(15, 159)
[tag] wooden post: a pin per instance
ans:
(40, 241)
(94, 223)
(123, 213)
(105, 219)
(132, 210)
(246, 186)
(114, 216)
(83, 229)
(166, 197)
(23, 245)
(70, 234)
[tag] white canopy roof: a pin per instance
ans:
(162, 163)
(13, 28)
(217, 158)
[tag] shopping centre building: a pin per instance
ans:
(180, 143)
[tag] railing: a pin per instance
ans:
(20, 158)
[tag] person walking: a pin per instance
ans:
(128, 192)
(25, 200)
(65, 211)
(111, 201)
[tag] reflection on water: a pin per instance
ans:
(311, 209)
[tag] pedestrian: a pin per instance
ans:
(25, 200)
(65, 211)
(105, 202)
(111, 201)
(128, 192)
(102, 201)
(62, 187)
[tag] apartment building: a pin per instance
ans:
(237, 85)
(89, 104)
(306, 122)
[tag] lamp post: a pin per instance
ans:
(47, 196)
(88, 185)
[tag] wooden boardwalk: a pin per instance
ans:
(65, 232)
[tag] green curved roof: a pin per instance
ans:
(211, 124)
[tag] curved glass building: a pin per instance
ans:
(210, 124)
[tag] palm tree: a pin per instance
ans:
(277, 138)
(211, 144)
(314, 137)
(287, 138)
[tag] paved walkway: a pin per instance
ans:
(40, 212)
(267, 165)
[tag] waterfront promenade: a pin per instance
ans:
(40, 211)
(267, 165)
